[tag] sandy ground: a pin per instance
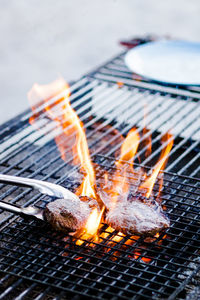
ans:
(42, 39)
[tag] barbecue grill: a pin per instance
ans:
(38, 263)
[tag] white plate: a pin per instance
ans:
(173, 62)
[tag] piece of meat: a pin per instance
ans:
(69, 215)
(137, 217)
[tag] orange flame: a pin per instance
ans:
(91, 227)
(129, 148)
(81, 149)
(120, 183)
(120, 84)
(147, 141)
(66, 119)
(137, 255)
(116, 238)
(70, 137)
(149, 183)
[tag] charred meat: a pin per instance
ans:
(69, 215)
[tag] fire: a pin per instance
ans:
(116, 238)
(129, 148)
(149, 183)
(71, 140)
(67, 120)
(147, 140)
(120, 84)
(137, 255)
(91, 227)
(124, 167)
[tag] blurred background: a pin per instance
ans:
(41, 40)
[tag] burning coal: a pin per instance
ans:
(125, 198)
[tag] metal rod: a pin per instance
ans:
(47, 188)
(27, 211)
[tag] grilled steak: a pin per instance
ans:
(137, 217)
(69, 215)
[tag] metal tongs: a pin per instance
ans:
(44, 187)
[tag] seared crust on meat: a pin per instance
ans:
(137, 217)
(69, 215)
(130, 217)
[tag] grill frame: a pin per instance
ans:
(10, 130)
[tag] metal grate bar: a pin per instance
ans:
(10, 288)
(25, 292)
(26, 118)
(82, 109)
(43, 294)
(51, 264)
(11, 129)
(114, 248)
(109, 73)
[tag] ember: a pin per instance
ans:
(125, 198)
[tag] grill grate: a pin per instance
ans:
(37, 263)
(32, 251)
